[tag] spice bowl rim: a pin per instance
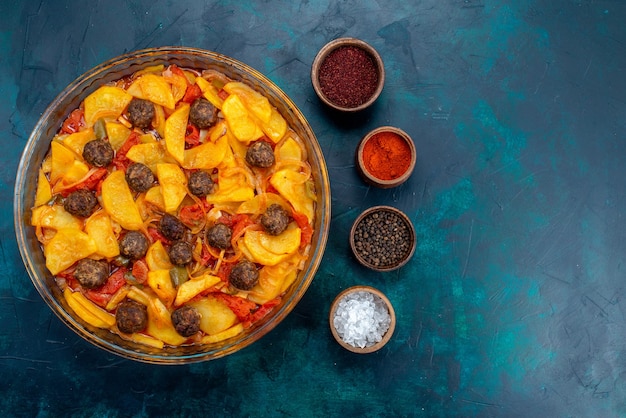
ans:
(412, 233)
(326, 50)
(370, 178)
(386, 337)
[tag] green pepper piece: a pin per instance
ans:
(99, 129)
(179, 275)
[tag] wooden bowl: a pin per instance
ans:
(404, 245)
(378, 295)
(320, 59)
(387, 158)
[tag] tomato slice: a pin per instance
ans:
(305, 228)
(102, 294)
(240, 306)
(121, 161)
(261, 312)
(192, 93)
(74, 122)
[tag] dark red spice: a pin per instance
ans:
(348, 76)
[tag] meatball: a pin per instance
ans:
(134, 245)
(131, 316)
(140, 113)
(202, 113)
(275, 219)
(171, 227)
(91, 273)
(139, 177)
(244, 275)
(260, 154)
(219, 236)
(80, 203)
(181, 253)
(186, 321)
(98, 153)
(200, 183)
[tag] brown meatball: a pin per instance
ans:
(260, 154)
(98, 153)
(181, 253)
(244, 275)
(186, 321)
(171, 227)
(91, 273)
(140, 113)
(202, 113)
(134, 245)
(200, 183)
(219, 236)
(139, 177)
(275, 219)
(80, 203)
(131, 316)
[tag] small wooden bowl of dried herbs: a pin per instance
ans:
(348, 74)
(383, 238)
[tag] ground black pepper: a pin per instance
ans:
(382, 239)
(348, 76)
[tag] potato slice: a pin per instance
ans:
(179, 85)
(87, 310)
(55, 217)
(175, 130)
(157, 257)
(173, 185)
(289, 150)
(292, 186)
(215, 316)
(44, 191)
(210, 92)
(76, 172)
(206, 156)
(239, 121)
(285, 243)
(117, 200)
(155, 197)
(76, 141)
(62, 158)
(146, 340)
(150, 154)
(117, 133)
(160, 324)
(194, 287)
(161, 282)
(270, 250)
(259, 203)
(99, 228)
(271, 282)
(276, 127)
(66, 247)
(229, 333)
(106, 102)
(255, 102)
(154, 88)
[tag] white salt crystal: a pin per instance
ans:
(361, 319)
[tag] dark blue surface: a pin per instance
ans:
(513, 303)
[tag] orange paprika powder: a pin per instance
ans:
(386, 155)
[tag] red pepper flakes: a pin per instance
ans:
(348, 76)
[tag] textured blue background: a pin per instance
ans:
(513, 304)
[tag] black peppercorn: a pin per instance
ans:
(382, 239)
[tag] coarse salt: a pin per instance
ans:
(361, 319)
